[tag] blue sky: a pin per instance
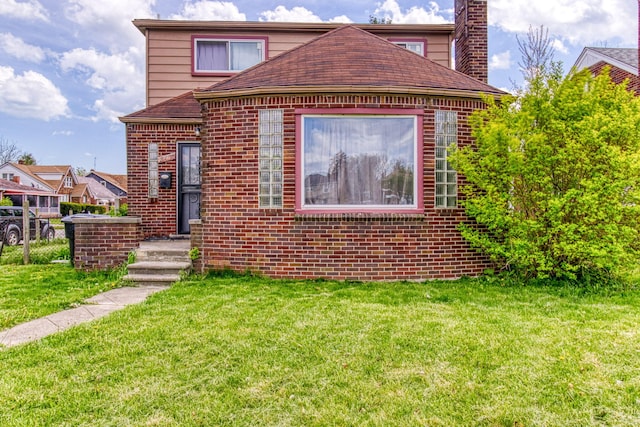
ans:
(70, 68)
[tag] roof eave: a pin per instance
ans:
(188, 25)
(287, 90)
(161, 120)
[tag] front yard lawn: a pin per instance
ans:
(255, 352)
(31, 291)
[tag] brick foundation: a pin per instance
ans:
(104, 243)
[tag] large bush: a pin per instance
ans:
(554, 179)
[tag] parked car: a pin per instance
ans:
(11, 218)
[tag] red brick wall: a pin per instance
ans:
(279, 243)
(618, 75)
(471, 25)
(159, 215)
(104, 243)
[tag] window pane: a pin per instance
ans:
(446, 176)
(245, 54)
(211, 55)
(270, 152)
(352, 161)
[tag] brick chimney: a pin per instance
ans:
(472, 57)
(16, 179)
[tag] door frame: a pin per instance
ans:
(181, 228)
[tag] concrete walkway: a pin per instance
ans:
(95, 307)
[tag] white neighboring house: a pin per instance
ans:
(15, 173)
(96, 193)
(46, 203)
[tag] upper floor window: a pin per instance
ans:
(360, 161)
(416, 46)
(226, 55)
(7, 176)
(68, 182)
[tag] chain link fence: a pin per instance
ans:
(45, 246)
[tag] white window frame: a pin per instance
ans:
(416, 204)
(416, 46)
(228, 40)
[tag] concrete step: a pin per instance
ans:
(160, 262)
(143, 255)
(158, 267)
(152, 279)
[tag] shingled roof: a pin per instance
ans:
(182, 108)
(349, 59)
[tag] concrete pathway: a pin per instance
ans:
(97, 306)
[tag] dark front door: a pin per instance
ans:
(188, 185)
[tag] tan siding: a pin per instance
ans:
(169, 57)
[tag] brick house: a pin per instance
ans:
(116, 184)
(327, 159)
(622, 63)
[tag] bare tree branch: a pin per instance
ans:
(9, 152)
(537, 52)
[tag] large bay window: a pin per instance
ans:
(224, 55)
(359, 161)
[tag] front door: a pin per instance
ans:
(188, 185)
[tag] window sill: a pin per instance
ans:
(359, 216)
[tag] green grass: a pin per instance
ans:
(31, 291)
(39, 253)
(254, 352)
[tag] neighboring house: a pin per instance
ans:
(116, 184)
(622, 63)
(23, 176)
(46, 203)
(60, 178)
(90, 191)
(329, 159)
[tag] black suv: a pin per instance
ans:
(11, 225)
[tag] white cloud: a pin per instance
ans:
(30, 10)
(296, 14)
(390, 9)
(559, 46)
(500, 61)
(206, 10)
(117, 79)
(108, 23)
(30, 95)
(344, 19)
(62, 132)
(17, 48)
(580, 22)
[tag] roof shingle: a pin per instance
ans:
(350, 57)
(183, 106)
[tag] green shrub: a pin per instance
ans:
(67, 207)
(123, 210)
(554, 180)
(5, 201)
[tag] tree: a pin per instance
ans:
(27, 159)
(376, 20)
(9, 152)
(536, 52)
(553, 183)
(80, 171)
